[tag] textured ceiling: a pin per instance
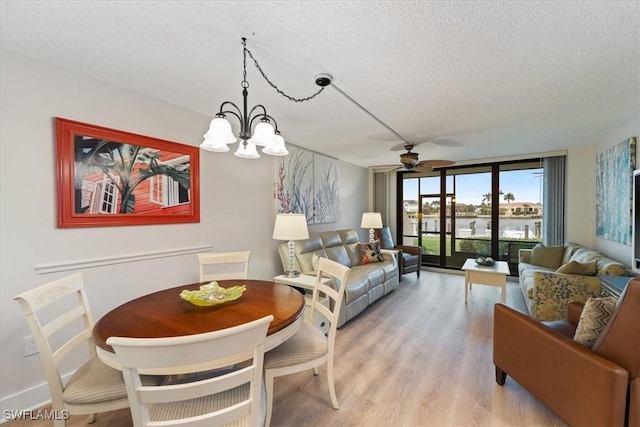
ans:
(469, 80)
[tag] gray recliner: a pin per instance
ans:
(409, 258)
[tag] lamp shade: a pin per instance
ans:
(290, 227)
(371, 220)
(277, 148)
(247, 151)
(263, 134)
(220, 131)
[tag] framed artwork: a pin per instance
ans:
(614, 208)
(308, 183)
(107, 177)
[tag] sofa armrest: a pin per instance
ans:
(390, 255)
(574, 310)
(524, 255)
(413, 250)
(579, 385)
(553, 291)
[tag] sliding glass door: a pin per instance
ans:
(464, 212)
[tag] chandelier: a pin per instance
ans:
(264, 134)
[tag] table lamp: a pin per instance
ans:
(291, 227)
(371, 220)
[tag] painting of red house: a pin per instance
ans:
(109, 177)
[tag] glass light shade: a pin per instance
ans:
(247, 151)
(263, 134)
(211, 145)
(277, 148)
(371, 220)
(290, 227)
(220, 132)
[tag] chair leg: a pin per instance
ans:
(501, 376)
(315, 371)
(268, 382)
(92, 418)
(418, 272)
(332, 388)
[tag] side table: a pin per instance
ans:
(613, 285)
(308, 284)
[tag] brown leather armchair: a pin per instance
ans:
(597, 386)
(409, 257)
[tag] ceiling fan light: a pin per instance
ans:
(247, 150)
(263, 134)
(220, 131)
(277, 148)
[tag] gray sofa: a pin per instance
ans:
(547, 291)
(366, 283)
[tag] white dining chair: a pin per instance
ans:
(310, 348)
(61, 308)
(223, 265)
(228, 388)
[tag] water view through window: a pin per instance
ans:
(474, 221)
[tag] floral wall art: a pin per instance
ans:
(326, 184)
(614, 170)
(308, 183)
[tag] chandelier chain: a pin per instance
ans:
(290, 98)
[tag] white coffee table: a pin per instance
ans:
(494, 275)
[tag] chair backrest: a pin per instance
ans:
(620, 339)
(338, 275)
(70, 316)
(384, 235)
(232, 265)
(241, 347)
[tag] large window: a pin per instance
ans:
(464, 212)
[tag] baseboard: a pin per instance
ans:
(27, 400)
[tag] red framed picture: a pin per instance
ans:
(107, 177)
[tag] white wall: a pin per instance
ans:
(236, 206)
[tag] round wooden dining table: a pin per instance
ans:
(164, 314)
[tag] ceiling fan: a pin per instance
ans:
(411, 162)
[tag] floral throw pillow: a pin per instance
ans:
(370, 252)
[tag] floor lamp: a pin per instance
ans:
(291, 227)
(371, 220)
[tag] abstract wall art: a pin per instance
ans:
(614, 192)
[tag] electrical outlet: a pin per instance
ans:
(30, 346)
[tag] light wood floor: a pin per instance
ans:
(417, 357)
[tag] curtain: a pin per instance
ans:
(553, 200)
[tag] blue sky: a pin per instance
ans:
(525, 185)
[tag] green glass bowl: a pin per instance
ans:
(212, 294)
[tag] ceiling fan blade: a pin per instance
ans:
(446, 142)
(435, 163)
